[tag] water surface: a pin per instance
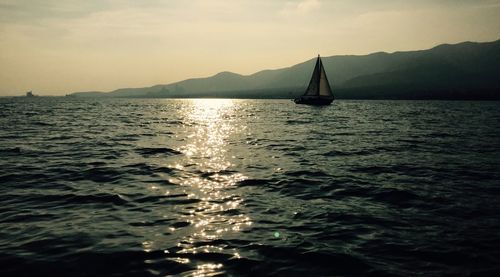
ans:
(247, 187)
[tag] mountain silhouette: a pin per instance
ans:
(468, 70)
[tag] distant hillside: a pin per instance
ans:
(89, 94)
(466, 70)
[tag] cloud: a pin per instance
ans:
(62, 46)
(308, 5)
(300, 7)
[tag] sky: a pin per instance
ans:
(54, 47)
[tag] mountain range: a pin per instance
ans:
(468, 70)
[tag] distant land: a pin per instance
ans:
(463, 71)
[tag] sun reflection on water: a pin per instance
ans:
(212, 118)
(208, 178)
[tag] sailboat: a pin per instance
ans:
(318, 92)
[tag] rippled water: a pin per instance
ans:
(248, 187)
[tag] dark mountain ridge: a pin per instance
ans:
(468, 70)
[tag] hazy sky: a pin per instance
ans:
(60, 46)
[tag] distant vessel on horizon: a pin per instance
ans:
(30, 94)
(319, 92)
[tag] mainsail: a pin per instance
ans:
(319, 91)
(319, 86)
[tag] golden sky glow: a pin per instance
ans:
(55, 47)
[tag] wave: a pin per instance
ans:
(147, 151)
(70, 199)
(99, 187)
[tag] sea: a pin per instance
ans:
(234, 187)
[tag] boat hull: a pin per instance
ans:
(313, 101)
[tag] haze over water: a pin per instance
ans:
(248, 187)
(57, 47)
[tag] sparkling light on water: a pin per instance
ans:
(205, 152)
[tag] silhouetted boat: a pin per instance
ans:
(30, 94)
(319, 91)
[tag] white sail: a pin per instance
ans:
(319, 86)
(319, 91)
(324, 86)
